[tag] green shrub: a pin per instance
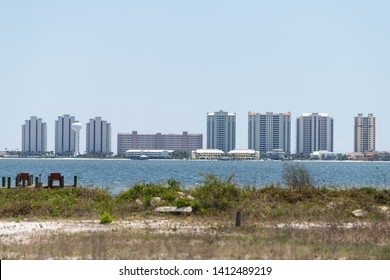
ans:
(106, 218)
(216, 194)
(297, 176)
(183, 202)
(146, 191)
(54, 202)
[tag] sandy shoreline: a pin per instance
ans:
(26, 231)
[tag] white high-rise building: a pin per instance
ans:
(269, 131)
(65, 137)
(98, 137)
(34, 136)
(314, 133)
(364, 133)
(221, 131)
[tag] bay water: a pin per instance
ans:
(117, 175)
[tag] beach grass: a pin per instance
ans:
(277, 222)
(214, 198)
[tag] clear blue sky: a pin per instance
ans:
(160, 66)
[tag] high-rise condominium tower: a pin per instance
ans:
(98, 137)
(221, 131)
(269, 131)
(65, 137)
(34, 136)
(314, 133)
(364, 133)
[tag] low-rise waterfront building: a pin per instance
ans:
(148, 154)
(244, 154)
(277, 154)
(355, 156)
(369, 156)
(238, 154)
(377, 156)
(324, 155)
(207, 154)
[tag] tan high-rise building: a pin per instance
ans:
(221, 131)
(364, 133)
(314, 133)
(269, 131)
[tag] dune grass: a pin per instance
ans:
(216, 196)
(214, 203)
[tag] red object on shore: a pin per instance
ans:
(55, 177)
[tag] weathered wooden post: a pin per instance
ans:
(238, 218)
(37, 182)
(9, 182)
(30, 180)
(75, 181)
(3, 182)
(62, 182)
(49, 182)
(17, 181)
(23, 182)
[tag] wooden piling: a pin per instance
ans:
(17, 181)
(49, 182)
(3, 182)
(62, 182)
(75, 181)
(238, 219)
(9, 182)
(37, 182)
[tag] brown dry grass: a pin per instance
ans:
(217, 240)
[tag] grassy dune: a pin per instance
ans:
(216, 198)
(277, 222)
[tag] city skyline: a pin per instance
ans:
(283, 134)
(163, 65)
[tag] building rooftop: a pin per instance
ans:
(148, 151)
(210, 151)
(310, 114)
(213, 114)
(250, 113)
(242, 151)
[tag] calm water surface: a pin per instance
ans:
(118, 175)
